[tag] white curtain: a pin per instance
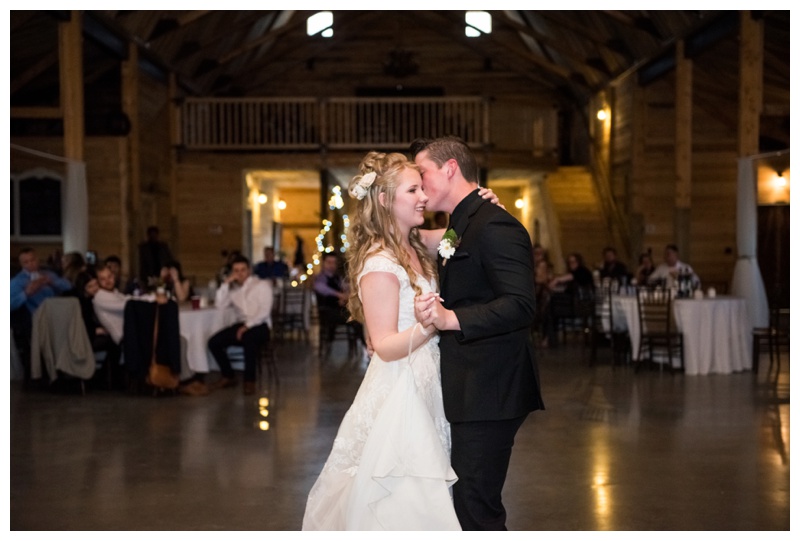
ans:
(75, 219)
(747, 281)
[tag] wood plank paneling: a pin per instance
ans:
(210, 204)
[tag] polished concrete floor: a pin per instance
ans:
(615, 450)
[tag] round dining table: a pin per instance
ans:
(196, 327)
(717, 334)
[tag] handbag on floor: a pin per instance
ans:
(160, 376)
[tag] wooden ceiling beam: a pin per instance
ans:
(548, 41)
(204, 48)
(524, 54)
(610, 44)
(19, 82)
(642, 23)
(168, 25)
(468, 44)
(266, 38)
(342, 32)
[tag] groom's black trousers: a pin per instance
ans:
(480, 456)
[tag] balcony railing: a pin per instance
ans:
(351, 123)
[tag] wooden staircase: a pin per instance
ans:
(581, 226)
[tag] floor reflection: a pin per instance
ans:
(614, 450)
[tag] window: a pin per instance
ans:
(36, 205)
(322, 21)
(479, 22)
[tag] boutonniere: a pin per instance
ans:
(448, 245)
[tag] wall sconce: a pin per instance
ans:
(282, 204)
(262, 198)
(602, 114)
(519, 203)
(780, 180)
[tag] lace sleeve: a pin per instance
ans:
(382, 263)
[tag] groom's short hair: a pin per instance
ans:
(450, 147)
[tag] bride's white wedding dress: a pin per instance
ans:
(389, 468)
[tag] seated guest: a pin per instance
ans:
(668, 271)
(331, 291)
(613, 268)
(109, 304)
(577, 277)
(175, 282)
(566, 290)
(223, 273)
(252, 299)
(72, 265)
(114, 263)
(29, 288)
(270, 267)
(54, 262)
(646, 268)
(86, 288)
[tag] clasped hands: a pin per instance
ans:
(430, 313)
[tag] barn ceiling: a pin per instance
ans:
(559, 57)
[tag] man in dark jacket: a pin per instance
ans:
(490, 380)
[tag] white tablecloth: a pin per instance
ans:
(716, 335)
(196, 327)
(716, 332)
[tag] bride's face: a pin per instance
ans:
(410, 200)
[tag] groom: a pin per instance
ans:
(490, 380)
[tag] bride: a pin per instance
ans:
(389, 468)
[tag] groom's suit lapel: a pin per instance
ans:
(460, 223)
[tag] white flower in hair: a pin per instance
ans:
(360, 188)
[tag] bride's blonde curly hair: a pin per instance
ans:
(373, 227)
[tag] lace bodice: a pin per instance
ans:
(383, 262)
(381, 379)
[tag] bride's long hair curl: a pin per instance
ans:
(373, 227)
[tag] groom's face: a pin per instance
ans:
(434, 181)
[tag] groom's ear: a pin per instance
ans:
(451, 166)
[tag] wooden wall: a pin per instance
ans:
(643, 174)
(105, 168)
(209, 219)
(154, 167)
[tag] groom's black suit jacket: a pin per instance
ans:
(488, 367)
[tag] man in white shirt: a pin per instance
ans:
(668, 271)
(109, 304)
(252, 299)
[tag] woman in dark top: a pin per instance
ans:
(566, 289)
(577, 277)
(175, 282)
(646, 268)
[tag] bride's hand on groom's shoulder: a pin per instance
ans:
(490, 196)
